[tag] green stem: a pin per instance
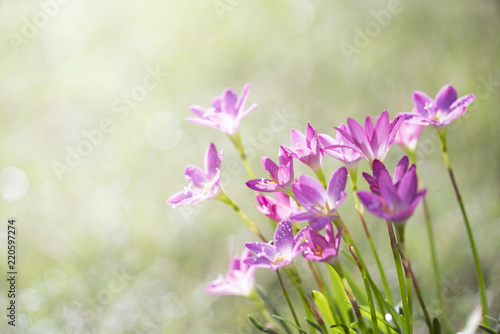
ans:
(285, 293)
(238, 144)
(294, 275)
(373, 312)
(321, 176)
(484, 301)
(359, 209)
(224, 197)
(401, 279)
(346, 236)
(338, 268)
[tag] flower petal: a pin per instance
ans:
(303, 216)
(309, 192)
(270, 166)
(212, 161)
(401, 169)
(422, 103)
(463, 101)
(195, 175)
(359, 139)
(228, 102)
(336, 187)
(264, 185)
(320, 222)
(183, 198)
(373, 203)
(298, 139)
(283, 238)
(445, 98)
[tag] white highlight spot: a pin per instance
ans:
(14, 183)
(164, 130)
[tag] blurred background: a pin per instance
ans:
(93, 140)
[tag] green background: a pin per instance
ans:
(99, 250)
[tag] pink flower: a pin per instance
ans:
(278, 208)
(341, 148)
(442, 110)
(281, 253)
(408, 134)
(319, 204)
(373, 142)
(239, 279)
(203, 185)
(306, 147)
(226, 113)
(281, 177)
(394, 200)
(321, 249)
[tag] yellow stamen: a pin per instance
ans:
(438, 115)
(278, 258)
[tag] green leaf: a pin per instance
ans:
(345, 329)
(340, 296)
(324, 307)
(395, 316)
(491, 318)
(487, 329)
(380, 319)
(290, 323)
(436, 325)
(260, 327)
(315, 325)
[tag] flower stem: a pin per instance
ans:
(410, 275)
(346, 236)
(321, 176)
(359, 209)
(285, 293)
(484, 302)
(401, 279)
(338, 268)
(238, 144)
(224, 197)
(367, 288)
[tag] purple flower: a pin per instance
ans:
(281, 253)
(239, 279)
(203, 185)
(306, 147)
(226, 113)
(320, 204)
(396, 199)
(321, 249)
(278, 208)
(281, 178)
(378, 167)
(341, 148)
(373, 142)
(408, 134)
(440, 111)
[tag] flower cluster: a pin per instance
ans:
(292, 200)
